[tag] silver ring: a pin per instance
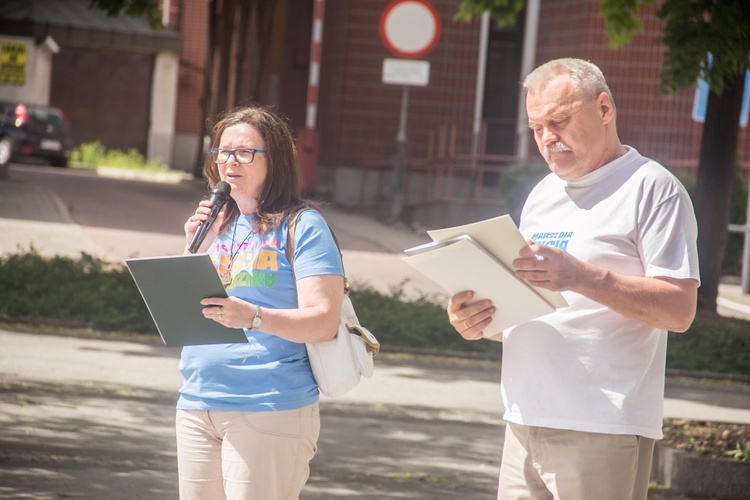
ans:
(221, 316)
(465, 325)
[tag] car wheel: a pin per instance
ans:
(59, 162)
(6, 150)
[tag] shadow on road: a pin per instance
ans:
(94, 440)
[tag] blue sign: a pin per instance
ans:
(701, 99)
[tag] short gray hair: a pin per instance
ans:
(587, 78)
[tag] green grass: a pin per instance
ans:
(81, 292)
(412, 323)
(712, 344)
(92, 155)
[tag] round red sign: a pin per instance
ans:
(410, 28)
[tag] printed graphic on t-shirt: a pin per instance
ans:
(557, 240)
(253, 265)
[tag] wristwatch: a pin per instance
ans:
(257, 321)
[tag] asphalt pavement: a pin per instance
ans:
(89, 415)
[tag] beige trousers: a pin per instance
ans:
(245, 455)
(543, 463)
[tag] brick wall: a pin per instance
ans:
(105, 95)
(359, 115)
(659, 126)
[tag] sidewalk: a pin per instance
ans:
(91, 416)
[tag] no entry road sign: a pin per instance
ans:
(410, 28)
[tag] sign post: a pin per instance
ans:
(308, 138)
(409, 29)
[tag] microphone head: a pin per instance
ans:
(221, 191)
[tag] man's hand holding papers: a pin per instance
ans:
(478, 258)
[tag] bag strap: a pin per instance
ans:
(352, 324)
(291, 229)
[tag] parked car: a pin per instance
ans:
(28, 130)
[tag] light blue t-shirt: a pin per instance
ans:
(268, 373)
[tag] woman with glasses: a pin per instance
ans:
(247, 417)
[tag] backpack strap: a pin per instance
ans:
(292, 227)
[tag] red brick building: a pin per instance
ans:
(358, 115)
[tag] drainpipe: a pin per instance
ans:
(165, 13)
(481, 72)
(528, 58)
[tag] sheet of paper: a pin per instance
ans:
(499, 236)
(464, 265)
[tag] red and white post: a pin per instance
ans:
(308, 137)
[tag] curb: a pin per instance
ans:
(168, 177)
(696, 476)
(733, 306)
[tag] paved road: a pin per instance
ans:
(91, 416)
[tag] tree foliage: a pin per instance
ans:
(131, 8)
(622, 20)
(693, 29)
(503, 12)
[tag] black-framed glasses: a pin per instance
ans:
(242, 155)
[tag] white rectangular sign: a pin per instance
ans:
(406, 72)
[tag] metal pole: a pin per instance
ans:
(528, 57)
(479, 93)
(746, 265)
(476, 128)
(746, 254)
(308, 138)
(165, 13)
(399, 160)
(316, 51)
(745, 273)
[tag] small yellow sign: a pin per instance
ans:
(13, 57)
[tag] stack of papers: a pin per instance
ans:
(479, 257)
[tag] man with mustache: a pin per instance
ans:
(615, 233)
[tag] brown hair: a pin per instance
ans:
(282, 192)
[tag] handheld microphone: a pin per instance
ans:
(219, 197)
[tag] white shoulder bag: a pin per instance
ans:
(339, 363)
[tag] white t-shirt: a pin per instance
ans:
(586, 367)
